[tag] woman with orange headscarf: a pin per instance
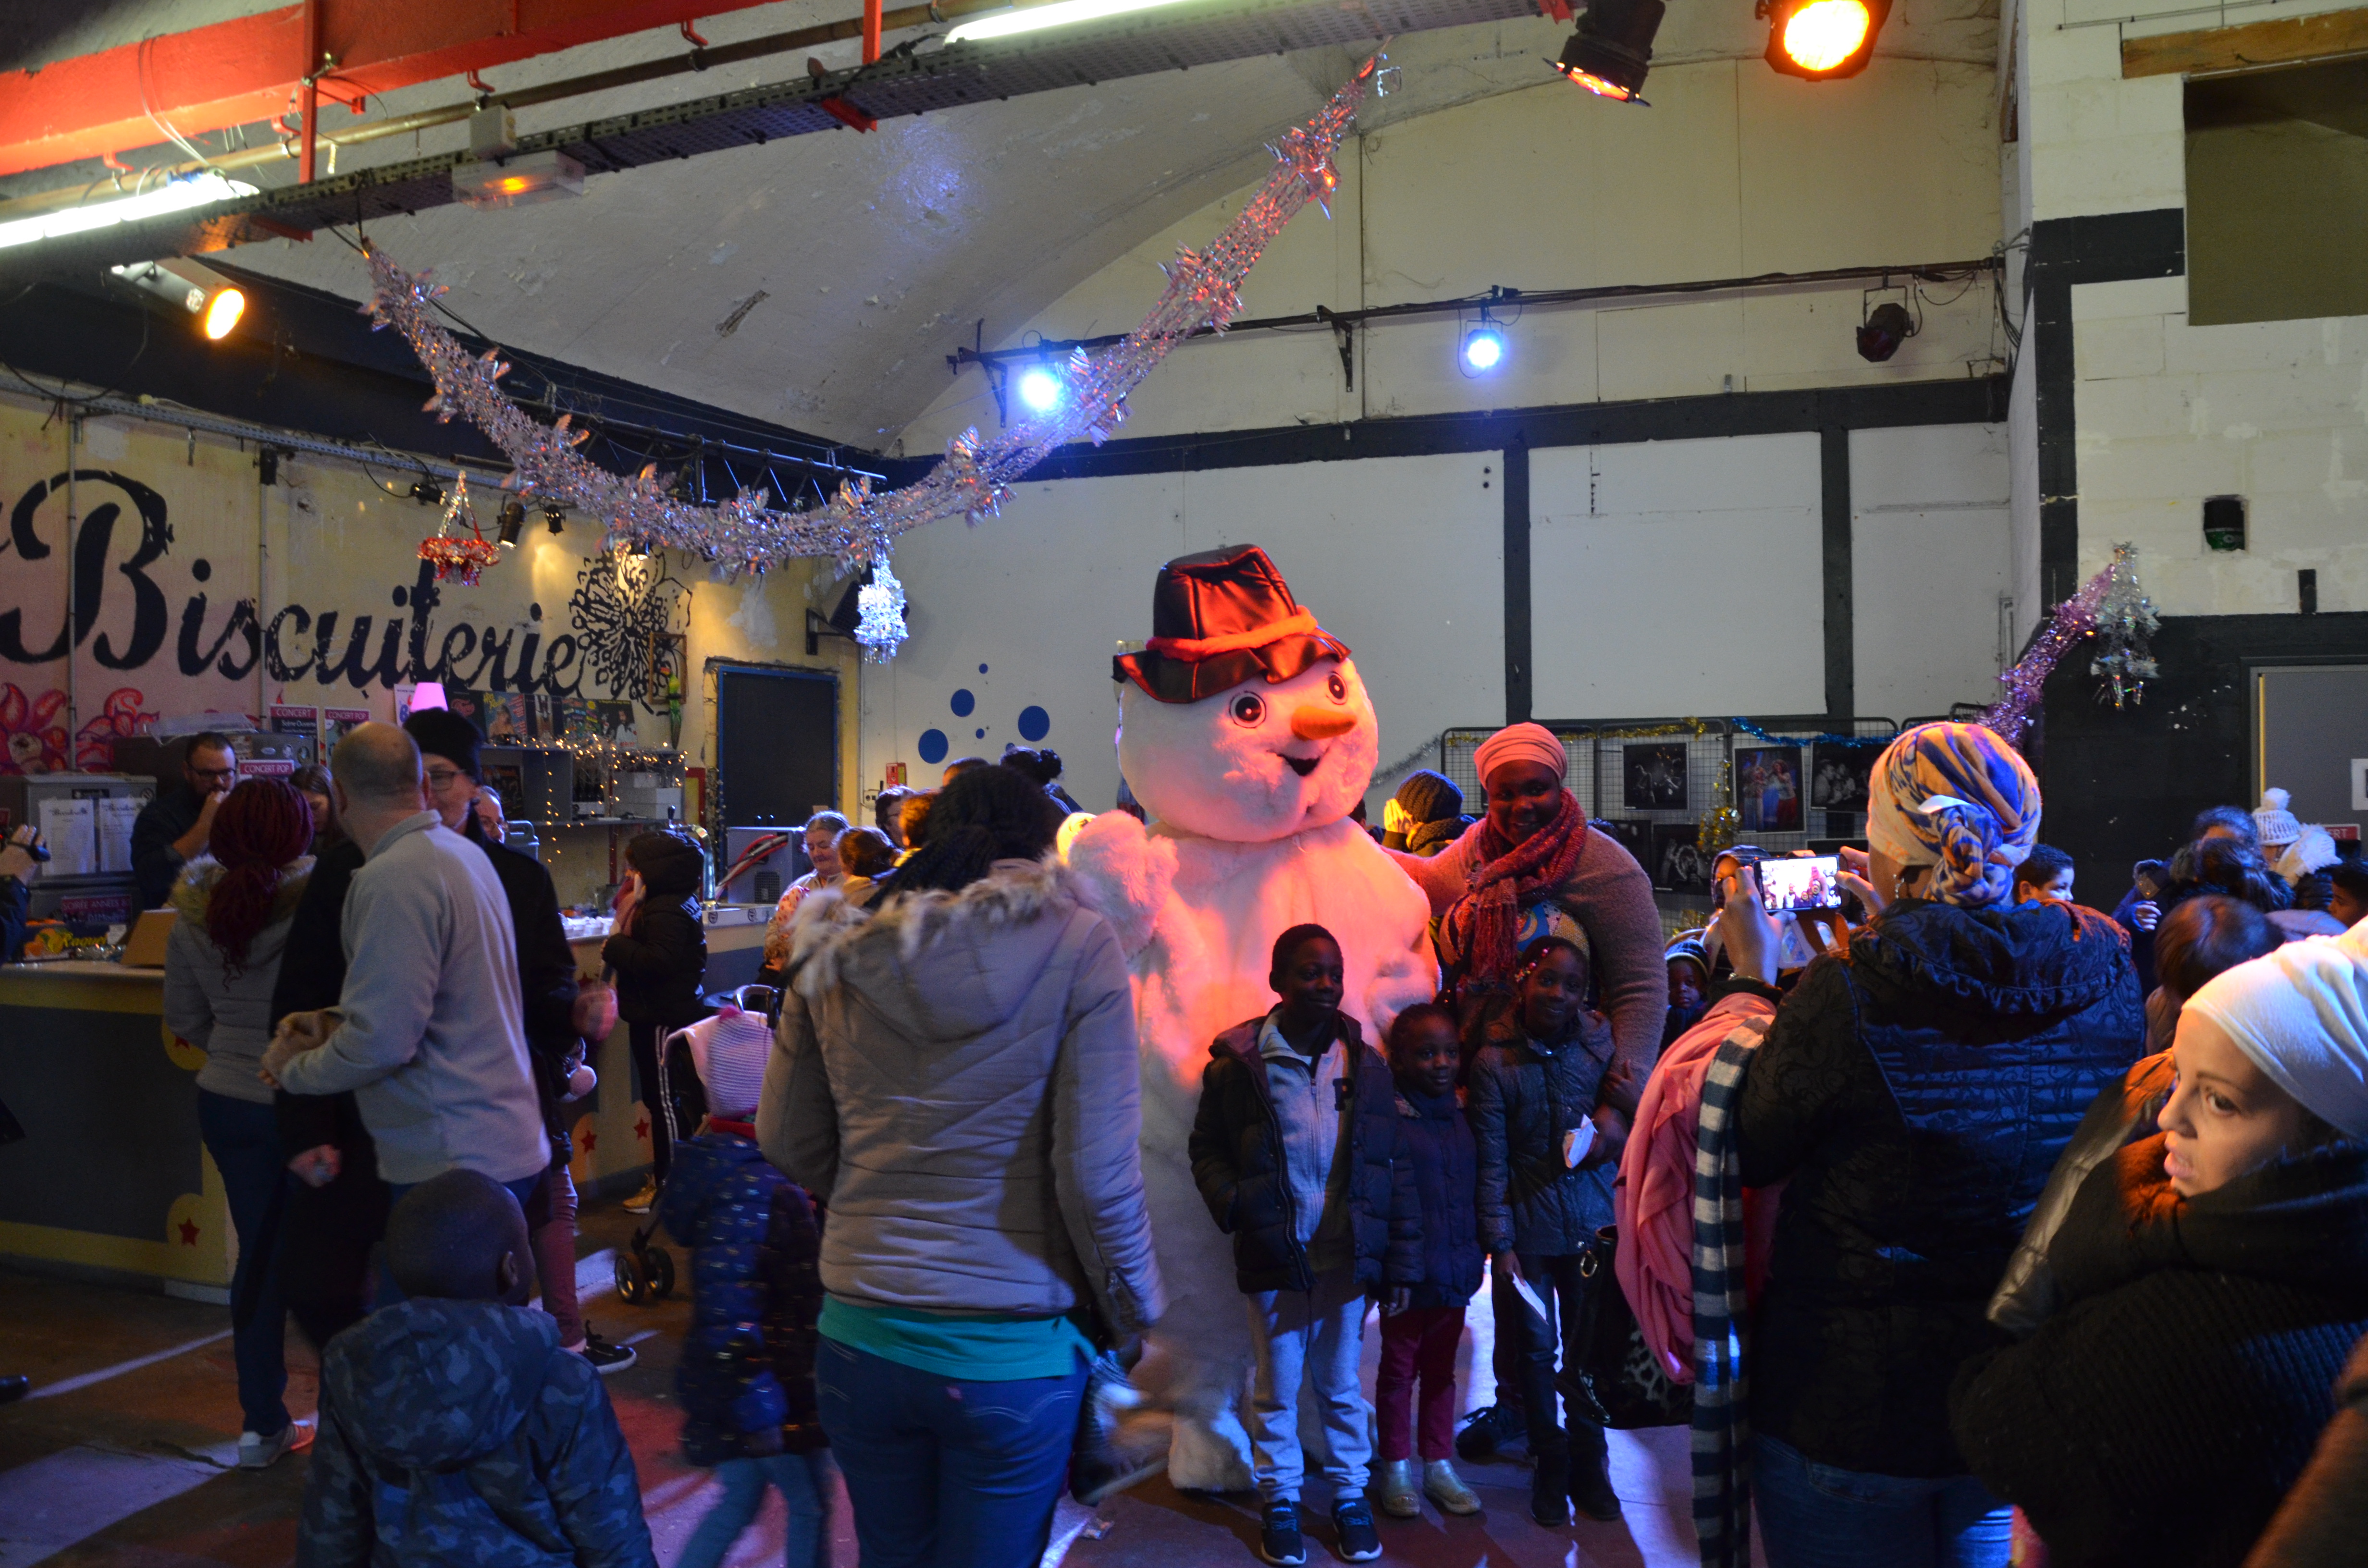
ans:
(236, 904)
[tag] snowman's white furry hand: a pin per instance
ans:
(1399, 982)
(1126, 875)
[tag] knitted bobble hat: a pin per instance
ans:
(2277, 826)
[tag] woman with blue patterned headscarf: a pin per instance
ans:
(1957, 798)
(1913, 1094)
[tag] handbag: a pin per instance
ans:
(1617, 1383)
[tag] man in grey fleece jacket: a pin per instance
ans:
(430, 1039)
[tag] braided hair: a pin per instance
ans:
(263, 825)
(986, 814)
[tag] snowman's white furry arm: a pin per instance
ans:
(1128, 876)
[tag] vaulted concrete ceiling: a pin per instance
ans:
(820, 282)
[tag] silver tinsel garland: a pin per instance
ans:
(857, 527)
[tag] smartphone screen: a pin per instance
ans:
(1811, 883)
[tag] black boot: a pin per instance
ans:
(1550, 1488)
(1591, 1478)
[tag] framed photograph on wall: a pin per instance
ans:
(1679, 864)
(1768, 789)
(1634, 834)
(1653, 778)
(1839, 782)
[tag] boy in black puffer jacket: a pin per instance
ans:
(454, 1426)
(1297, 1152)
(747, 1374)
(659, 952)
(1549, 1149)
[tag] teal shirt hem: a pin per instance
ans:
(984, 1347)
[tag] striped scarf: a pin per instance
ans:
(1721, 1425)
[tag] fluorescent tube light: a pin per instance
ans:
(200, 191)
(1060, 13)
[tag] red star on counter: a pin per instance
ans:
(591, 1140)
(189, 1229)
(642, 1130)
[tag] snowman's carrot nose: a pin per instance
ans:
(1314, 723)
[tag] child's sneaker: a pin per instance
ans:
(258, 1453)
(644, 1200)
(1279, 1539)
(1354, 1521)
(606, 1358)
(1444, 1487)
(1400, 1499)
(1487, 1431)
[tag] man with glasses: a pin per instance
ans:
(175, 828)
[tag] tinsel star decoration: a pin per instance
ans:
(2109, 606)
(453, 556)
(857, 527)
(2125, 618)
(1720, 822)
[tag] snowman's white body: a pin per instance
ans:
(1242, 847)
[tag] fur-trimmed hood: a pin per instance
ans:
(937, 965)
(193, 890)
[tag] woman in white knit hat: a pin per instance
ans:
(2215, 1279)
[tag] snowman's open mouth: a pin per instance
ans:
(1302, 766)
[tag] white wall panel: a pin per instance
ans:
(1675, 577)
(1932, 553)
(1401, 557)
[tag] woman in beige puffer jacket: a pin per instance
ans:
(955, 1079)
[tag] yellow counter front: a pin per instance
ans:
(111, 1177)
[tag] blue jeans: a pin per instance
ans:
(945, 1473)
(1318, 1334)
(1817, 1516)
(803, 1481)
(389, 1292)
(244, 1139)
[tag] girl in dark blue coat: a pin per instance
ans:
(1421, 1341)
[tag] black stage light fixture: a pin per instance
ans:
(555, 518)
(179, 284)
(1612, 48)
(1822, 40)
(427, 492)
(1885, 328)
(513, 519)
(267, 465)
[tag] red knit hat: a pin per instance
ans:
(1219, 618)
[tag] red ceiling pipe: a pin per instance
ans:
(237, 72)
(310, 106)
(871, 30)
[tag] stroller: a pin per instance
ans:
(645, 1272)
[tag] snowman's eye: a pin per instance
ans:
(1248, 710)
(1338, 687)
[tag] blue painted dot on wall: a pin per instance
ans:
(979, 734)
(1034, 723)
(963, 702)
(932, 745)
(982, 669)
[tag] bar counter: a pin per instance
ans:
(111, 1178)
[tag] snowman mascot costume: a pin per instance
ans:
(1248, 738)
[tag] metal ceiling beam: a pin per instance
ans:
(253, 67)
(1171, 38)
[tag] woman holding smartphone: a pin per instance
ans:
(1914, 1091)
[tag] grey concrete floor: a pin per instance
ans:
(124, 1456)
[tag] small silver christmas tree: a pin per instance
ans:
(2125, 618)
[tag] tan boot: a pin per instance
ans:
(1399, 1499)
(1444, 1487)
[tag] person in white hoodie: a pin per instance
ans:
(426, 1031)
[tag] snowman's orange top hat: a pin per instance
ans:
(1219, 618)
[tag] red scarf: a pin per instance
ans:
(1511, 878)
